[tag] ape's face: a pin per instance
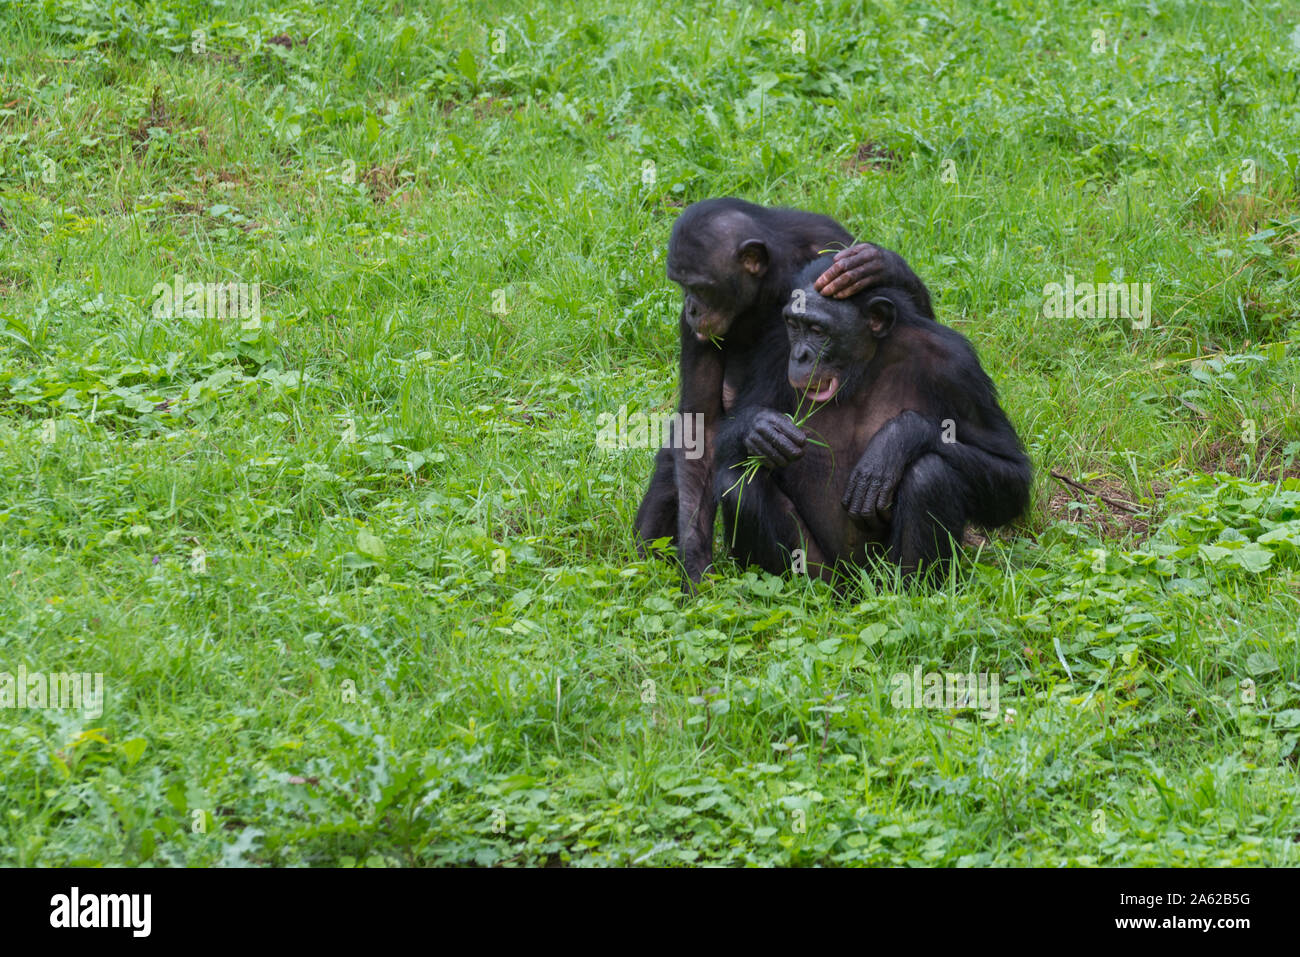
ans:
(720, 267)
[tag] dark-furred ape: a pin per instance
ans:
(736, 263)
(915, 442)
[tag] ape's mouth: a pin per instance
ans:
(818, 391)
(709, 326)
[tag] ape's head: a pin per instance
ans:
(718, 255)
(833, 340)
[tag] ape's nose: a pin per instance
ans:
(803, 355)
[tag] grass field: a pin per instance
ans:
(356, 572)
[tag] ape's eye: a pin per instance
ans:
(817, 330)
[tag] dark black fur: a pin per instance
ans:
(889, 483)
(736, 263)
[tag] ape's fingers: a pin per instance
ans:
(869, 496)
(771, 452)
(847, 262)
(788, 449)
(850, 285)
(855, 498)
(758, 445)
(866, 267)
(857, 279)
(860, 252)
(784, 429)
(832, 271)
(847, 500)
(778, 447)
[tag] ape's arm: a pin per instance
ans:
(990, 459)
(702, 375)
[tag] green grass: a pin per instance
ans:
(419, 633)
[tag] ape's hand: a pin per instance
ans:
(854, 269)
(774, 439)
(873, 482)
(860, 267)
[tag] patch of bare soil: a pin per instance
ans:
(380, 181)
(1108, 508)
(871, 156)
(1229, 454)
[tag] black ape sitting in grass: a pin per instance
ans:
(905, 442)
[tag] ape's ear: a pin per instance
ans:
(753, 256)
(880, 316)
